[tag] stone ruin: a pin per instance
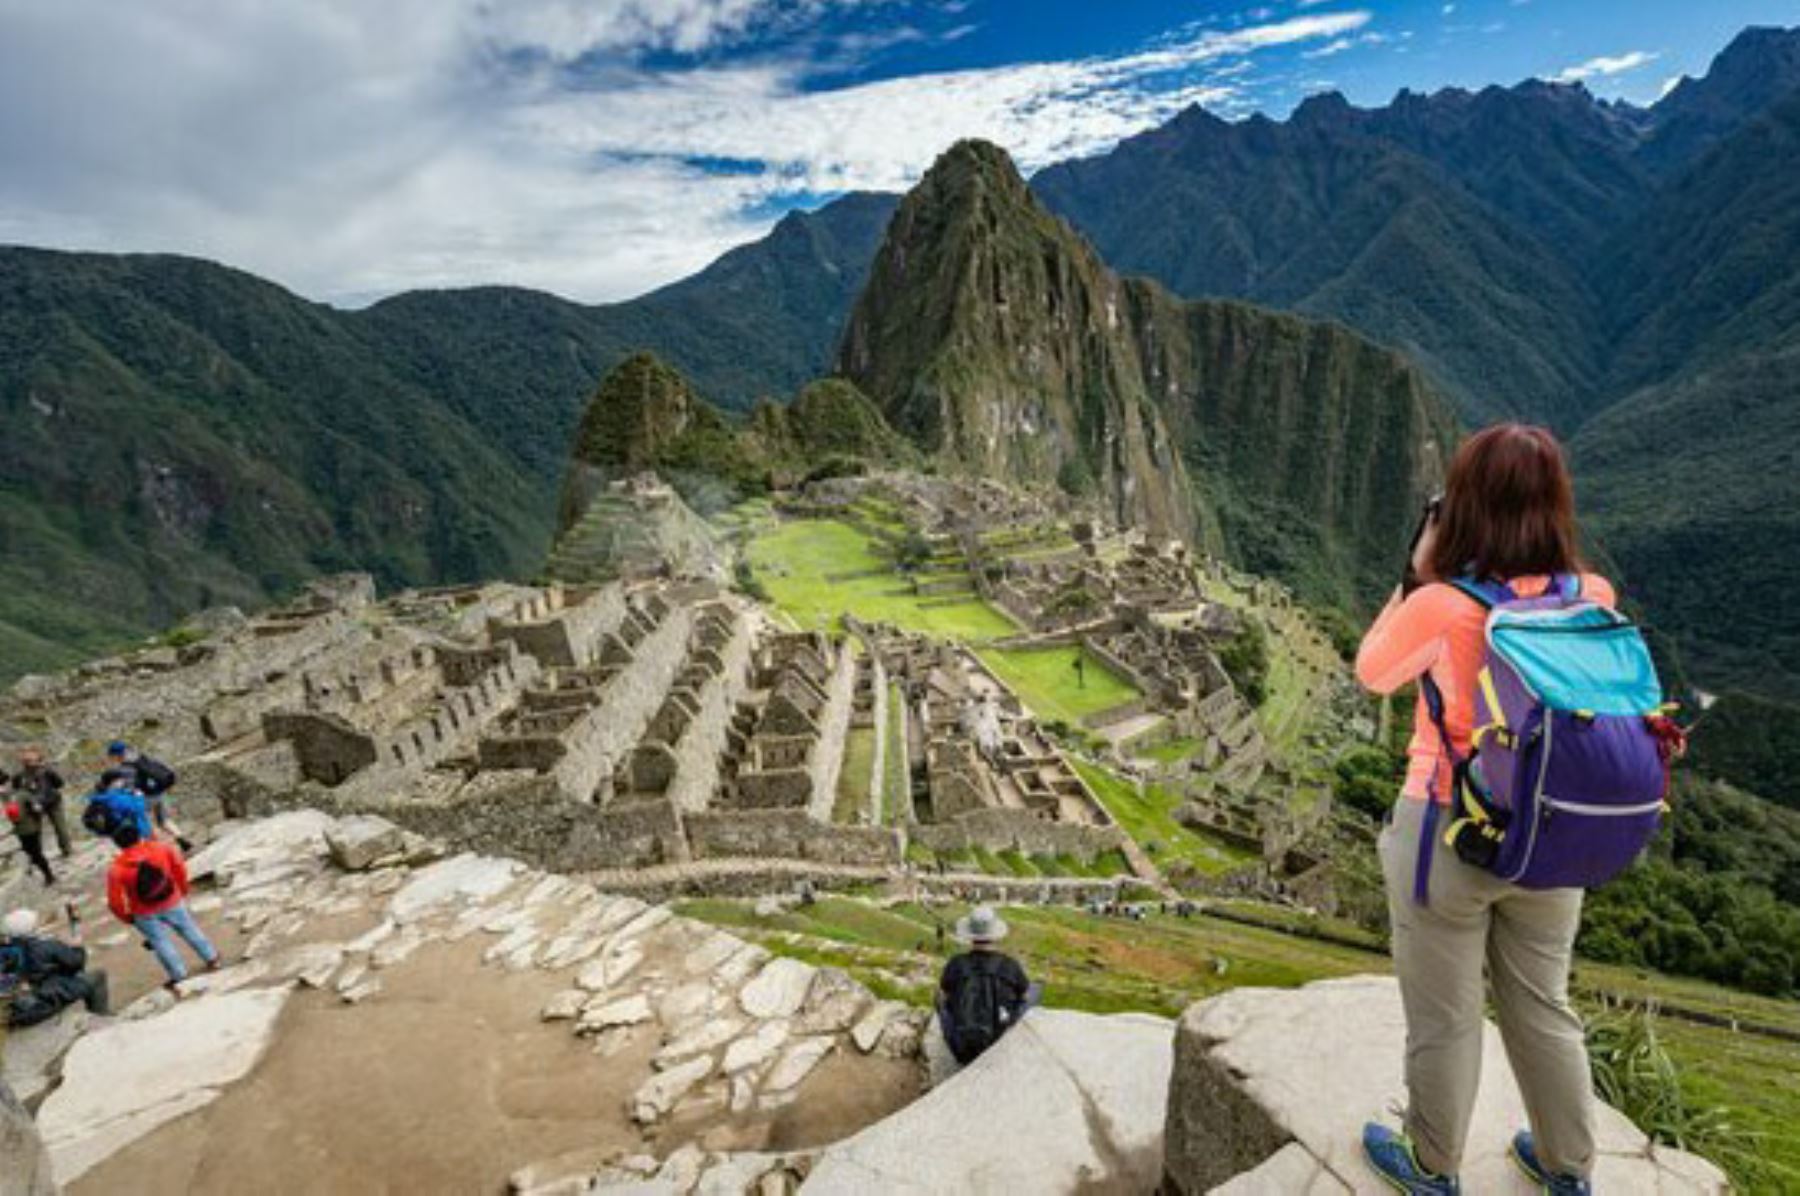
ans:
(981, 773)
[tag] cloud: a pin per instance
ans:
(1668, 85)
(1329, 49)
(1604, 66)
(350, 149)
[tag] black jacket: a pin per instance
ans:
(34, 960)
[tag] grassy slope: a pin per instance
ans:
(1148, 817)
(1163, 963)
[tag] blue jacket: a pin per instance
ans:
(121, 804)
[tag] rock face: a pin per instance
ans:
(990, 333)
(993, 334)
(27, 1166)
(123, 1081)
(1271, 1089)
(1065, 1103)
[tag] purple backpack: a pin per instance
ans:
(1568, 769)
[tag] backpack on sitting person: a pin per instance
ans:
(101, 817)
(975, 1013)
(1567, 776)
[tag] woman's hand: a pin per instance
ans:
(1420, 565)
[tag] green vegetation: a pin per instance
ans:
(1635, 1072)
(1148, 817)
(1169, 751)
(1723, 1092)
(1715, 900)
(1047, 682)
(853, 777)
(1245, 656)
(896, 800)
(816, 570)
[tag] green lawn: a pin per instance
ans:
(896, 797)
(1046, 681)
(794, 560)
(853, 778)
(1149, 818)
(1170, 751)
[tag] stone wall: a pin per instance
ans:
(1016, 830)
(687, 755)
(630, 699)
(790, 834)
(834, 729)
(568, 629)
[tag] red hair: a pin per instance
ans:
(1509, 507)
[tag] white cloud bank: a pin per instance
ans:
(1605, 66)
(350, 149)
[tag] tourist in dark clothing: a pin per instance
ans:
(983, 993)
(45, 784)
(42, 976)
(28, 824)
(152, 779)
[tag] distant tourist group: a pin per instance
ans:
(146, 882)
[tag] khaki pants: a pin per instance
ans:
(1526, 939)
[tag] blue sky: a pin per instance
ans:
(599, 148)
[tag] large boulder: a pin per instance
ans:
(1272, 1087)
(26, 1170)
(1066, 1102)
(357, 842)
(124, 1080)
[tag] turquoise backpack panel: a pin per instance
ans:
(1584, 658)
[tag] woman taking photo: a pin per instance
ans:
(1507, 515)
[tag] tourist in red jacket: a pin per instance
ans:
(147, 887)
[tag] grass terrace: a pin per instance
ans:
(818, 569)
(1045, 679)
(1149, 818)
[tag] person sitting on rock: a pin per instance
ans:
(44, 976)
(147, 887)
(44, 784)
(983, 993)
(114, 803)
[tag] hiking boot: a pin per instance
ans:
(99, 997)
(1524, 1153)
(1395, 1160)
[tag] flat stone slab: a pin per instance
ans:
(1065, 1103)
(124, 1080)
(1272, 1087)
(778, 990)
(467, 877)
(295, 834)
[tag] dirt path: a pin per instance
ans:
(447, 1082)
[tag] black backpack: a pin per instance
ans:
(101, 818)
(154, 778)
(152, 885)
(975, 1012)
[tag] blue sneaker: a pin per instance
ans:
(1524, 1153)
(1394, 1159)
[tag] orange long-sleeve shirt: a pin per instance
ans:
(121, 879)
(1441, 629)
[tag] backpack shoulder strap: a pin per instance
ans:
(1488, 594)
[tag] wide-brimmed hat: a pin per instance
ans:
(19, 923)
(982, 925)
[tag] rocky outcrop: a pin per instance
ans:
(27, 1169)
(123, 1081)
(1065, 1103)
(1271, 1089)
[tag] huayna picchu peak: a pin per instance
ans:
(992, 333)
